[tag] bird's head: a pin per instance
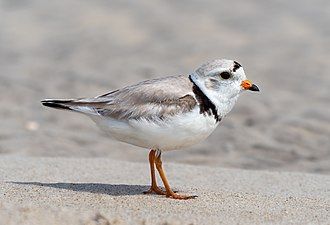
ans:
(222, 80)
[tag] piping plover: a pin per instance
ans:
(166, 113)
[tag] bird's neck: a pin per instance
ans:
(206, 106)
(212, 103)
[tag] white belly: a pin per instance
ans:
(178, 132)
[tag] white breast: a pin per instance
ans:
(169, 134)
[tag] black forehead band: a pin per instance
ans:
(236, 66)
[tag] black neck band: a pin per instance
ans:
(206, 106)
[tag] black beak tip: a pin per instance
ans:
(254, 88)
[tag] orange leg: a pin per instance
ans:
(154, 188)
(169, 192)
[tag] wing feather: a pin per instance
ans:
(151, 99)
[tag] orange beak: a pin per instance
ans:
(247, 85)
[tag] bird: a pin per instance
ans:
(167, 113)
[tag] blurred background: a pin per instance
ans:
(68, 49)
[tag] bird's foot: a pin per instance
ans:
(180, 197)
(155, 190)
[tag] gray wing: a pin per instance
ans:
(152, 99)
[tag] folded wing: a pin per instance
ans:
(152, 99)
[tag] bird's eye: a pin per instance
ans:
(225, 75)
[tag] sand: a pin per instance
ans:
(68, 49)
(104, 191)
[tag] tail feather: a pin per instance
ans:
(85, 106)
(58, 103)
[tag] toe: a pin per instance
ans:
(155, 190)
(182, 197)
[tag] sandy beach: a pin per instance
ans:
(104, 191)
(66, 49)
(267, 163)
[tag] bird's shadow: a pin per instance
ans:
(109, 189)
